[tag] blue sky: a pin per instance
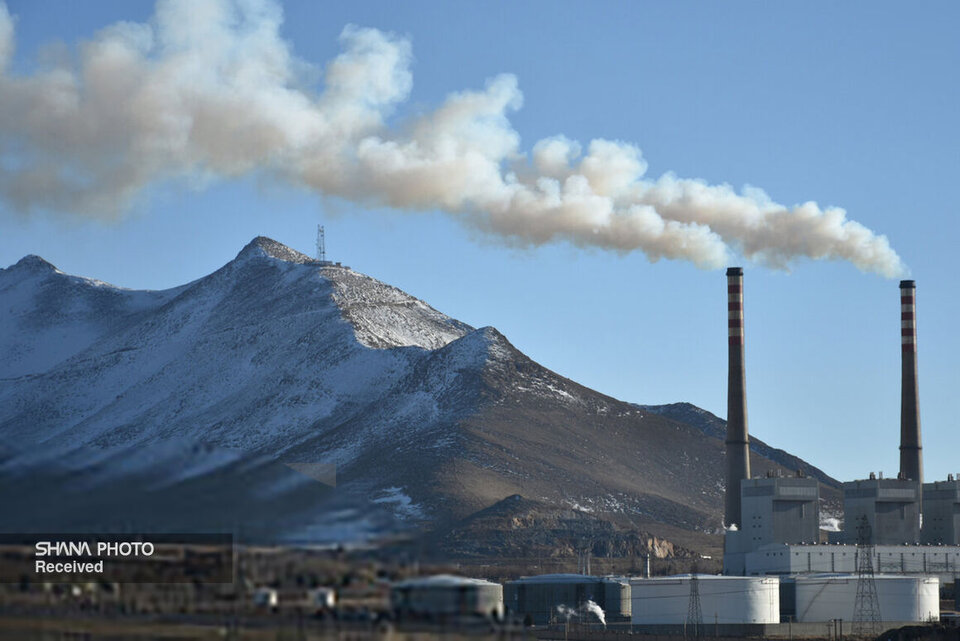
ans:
(847, 104)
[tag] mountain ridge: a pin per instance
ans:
(194, 400)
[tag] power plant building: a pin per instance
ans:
(773, 523)
(552, 597)
(780, 509)
(940, 561)
(774, 510)
(891, 508)
(941, 512)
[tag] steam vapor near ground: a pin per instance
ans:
(209, 89)
(597, 611)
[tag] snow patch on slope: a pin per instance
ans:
(48, 317)
(383, 316)
(403, 506)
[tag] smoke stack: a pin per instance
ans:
(738, 443)
(911, 460)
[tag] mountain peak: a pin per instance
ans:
(261, 246)
(34, 263)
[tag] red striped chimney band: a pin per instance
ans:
(908, 315)
(735, 305)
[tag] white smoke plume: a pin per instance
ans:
(208, 89)
(587, 607)
(565, 611)
(596, 610)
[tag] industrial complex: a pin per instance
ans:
(899, 543)
(773, 523)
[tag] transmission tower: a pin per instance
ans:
(866, 609)
(321, 245)
(694, 627)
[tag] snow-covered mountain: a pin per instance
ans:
(227, 403)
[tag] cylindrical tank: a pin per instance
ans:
(445, 597)
(723, 599)
(266, 598)
(321, 599)
(901, 598)
(556, 597)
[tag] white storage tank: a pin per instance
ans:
(321, 599)
(445, 596)
(902, 598)
(543, 599)
(723, 599)
(266, 598)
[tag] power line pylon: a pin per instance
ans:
(866, 609)
(694, 627)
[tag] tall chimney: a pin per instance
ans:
(911, 459)
(738, 443)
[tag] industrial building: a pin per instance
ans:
(773, 510)
(890, 507)
(446, 597)
(785, 559)
(772, 524)
(543, 599)
(941, 512)
(723, 600)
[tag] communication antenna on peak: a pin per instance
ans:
(321, 245)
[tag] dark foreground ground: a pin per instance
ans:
(54, 628)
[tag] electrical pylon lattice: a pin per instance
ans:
(694, 611)
(866, 609)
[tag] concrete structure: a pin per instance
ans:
(903, 599)
(780, 510)
(940, 561)
(911, 458)
(737, 441)
(445, 597)
(941, 512)
(891, 507)
(774, 510)
(541, 597)
(724, 600)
